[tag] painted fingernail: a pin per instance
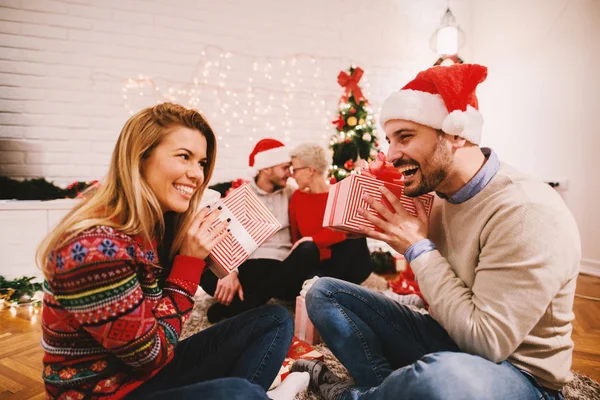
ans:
(228, 230)
(365, 197)
(228, 219)
(361, 211)
(219, 208)
(381, 188)
(208, 206)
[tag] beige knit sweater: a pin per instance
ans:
(502, 280)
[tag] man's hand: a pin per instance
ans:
(227, 288)
(400, 230)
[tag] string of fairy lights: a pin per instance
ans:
(252, 96)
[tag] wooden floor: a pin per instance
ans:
(21, 355)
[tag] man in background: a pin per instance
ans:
(276, 269)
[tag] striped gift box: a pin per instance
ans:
(345, 199)
(251, 225)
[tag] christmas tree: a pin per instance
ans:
(355, 137)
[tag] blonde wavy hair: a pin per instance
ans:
(124, 201)
(313, 155)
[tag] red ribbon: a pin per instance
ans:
(339, 123)
(350, 82)
(235, 184)
(383, 170)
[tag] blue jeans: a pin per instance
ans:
(236, 359)
(393, 352)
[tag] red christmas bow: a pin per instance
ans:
(350, 82)
(235, 184)
(383, 170)
(340, 122)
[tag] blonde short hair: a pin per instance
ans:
(313, 155)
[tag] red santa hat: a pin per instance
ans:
(268, 153)
(442, 98)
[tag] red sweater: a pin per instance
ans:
(107, 326)
(306, 219)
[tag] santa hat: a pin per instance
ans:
(442, 98)
(268, 153)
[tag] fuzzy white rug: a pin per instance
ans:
(581, 388)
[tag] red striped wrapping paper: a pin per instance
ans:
(303, 327)
(251, 225)
(345, 198)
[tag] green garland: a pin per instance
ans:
(19, 291)
(41, 189)
(38, 189)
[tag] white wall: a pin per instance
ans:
(64, 65)
(542, 96)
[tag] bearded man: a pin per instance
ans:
(497, 262)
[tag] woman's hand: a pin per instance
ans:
(198, 241)
(301, 240)
(227, 288)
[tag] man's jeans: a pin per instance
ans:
(393, 352)
(234, 359)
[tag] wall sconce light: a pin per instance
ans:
(449, 37)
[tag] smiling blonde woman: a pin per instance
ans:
(110, 328)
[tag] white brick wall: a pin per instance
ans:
(23, 225)
(63, 65)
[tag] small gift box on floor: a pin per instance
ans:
(303, 328)
(250, 226)
(346, 197)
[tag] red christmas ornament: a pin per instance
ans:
(349, 165)
(353, 111)
(332, 180)
(348, 140)
(376, 143)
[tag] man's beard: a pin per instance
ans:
(435, 171)
(277, 184)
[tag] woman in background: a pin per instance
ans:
(110, 328)
(341, 257)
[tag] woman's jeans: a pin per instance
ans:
(236, 359)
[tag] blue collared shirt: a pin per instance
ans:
(474, 186)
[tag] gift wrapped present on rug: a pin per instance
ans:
(298, 350)
(250, 226)
(346, 196)
(303, 328)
